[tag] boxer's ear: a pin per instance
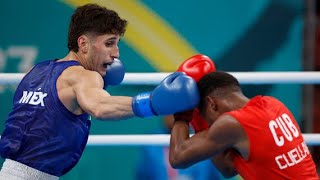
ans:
(211, 103)
(83, 43)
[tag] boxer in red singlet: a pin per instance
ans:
(256, 138)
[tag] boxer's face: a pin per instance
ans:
(101, 52)
(215, 107)
(211, 110)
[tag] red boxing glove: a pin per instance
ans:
(197, 66)
(198, 123)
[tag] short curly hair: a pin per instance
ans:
(217, 84)
(94, 19)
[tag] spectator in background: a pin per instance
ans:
(154, 163)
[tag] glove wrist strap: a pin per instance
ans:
(141, 105)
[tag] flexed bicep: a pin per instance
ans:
(88, 90)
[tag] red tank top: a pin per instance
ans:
(277, 147)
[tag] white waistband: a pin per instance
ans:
(18, 171)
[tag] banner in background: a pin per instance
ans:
(255, 35)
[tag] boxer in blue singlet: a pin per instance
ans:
(34, 115)
(48, 127)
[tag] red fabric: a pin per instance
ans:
(198, 123)
(277, 147)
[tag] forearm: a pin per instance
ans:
(115, 108)
(179, 133)
(99, 104)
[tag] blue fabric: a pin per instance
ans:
(153, 165)
(40, 132)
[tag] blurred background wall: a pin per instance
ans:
(252, 35)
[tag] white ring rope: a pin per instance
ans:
(311, 139)
(305, 77)
(159, 140)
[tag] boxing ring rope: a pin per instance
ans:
(306, 77)
(294, 77)
(160, 140)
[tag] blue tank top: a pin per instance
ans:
(40, 131)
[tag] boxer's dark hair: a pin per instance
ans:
(96, 20)
(218, 84)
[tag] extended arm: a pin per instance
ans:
(177, 87)
(93, 99)
(185, 151)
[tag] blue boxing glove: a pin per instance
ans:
(177, 92)
(115, 73)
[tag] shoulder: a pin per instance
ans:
(226, 128)
(80, 72)
(226, 121)
(77, 75)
